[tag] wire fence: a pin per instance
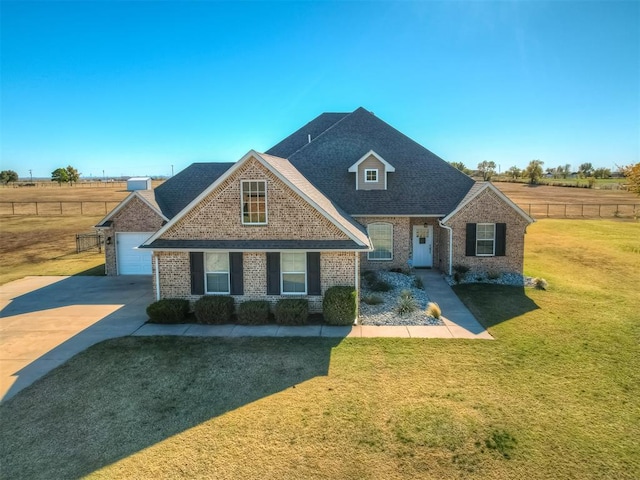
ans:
(57, 208)
(582, 210)
(83, 184)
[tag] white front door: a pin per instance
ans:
(422, 246)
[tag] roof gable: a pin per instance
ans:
(146, 196)
(480, 187)
(285, 172)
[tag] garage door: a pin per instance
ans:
(132, 261)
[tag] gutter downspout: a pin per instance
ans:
(357, 285)
(450, 243)
(155, 257)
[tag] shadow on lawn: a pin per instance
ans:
(494, 304)
(124, 395)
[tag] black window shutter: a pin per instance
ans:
(501, 239)
(313, 273)
(471, 240)
(236, 272)
(273, 273)
(196, 260)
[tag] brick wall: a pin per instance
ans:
(218, 216)
(488, 207)
(337, 268)
(135, 216)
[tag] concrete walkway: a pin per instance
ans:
(44, 321)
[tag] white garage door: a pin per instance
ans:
(132, 261)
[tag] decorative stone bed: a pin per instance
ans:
(385, 313)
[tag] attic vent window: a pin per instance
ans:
(371, 175)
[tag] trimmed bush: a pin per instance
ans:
(339, 305)
(253, 312)
(462, 269)
(493, 275)
(168, 310)
(418, 283)
(214, 309)
(292, 311)
(369, 276)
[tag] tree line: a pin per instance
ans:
(61, 175)
(534, 172)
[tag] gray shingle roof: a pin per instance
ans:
(423, 183)
(177, 192)
(256, 244)
(300, 137)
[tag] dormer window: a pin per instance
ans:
(371, 172)
(371, 175)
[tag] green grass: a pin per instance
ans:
(556, 395)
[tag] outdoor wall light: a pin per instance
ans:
(108, 240)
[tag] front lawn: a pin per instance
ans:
(556, 395)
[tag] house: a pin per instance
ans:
(343, 194)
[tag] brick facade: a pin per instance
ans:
(135, 216)
(289, 216)
(336, 268)
(488, 207)
(402, 242)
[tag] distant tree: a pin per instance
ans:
(72, 175)
(632, 174)
(566, 171)
(60, 175)
(585, 170)
(534, 171)
(487, 168)
(460, 166)
(515, 172)
(602, 172)
(7, 176)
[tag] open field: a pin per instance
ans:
(555, 396)
(45, 245)
(64, 193)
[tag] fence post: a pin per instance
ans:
(60, 207)
(599, 209)
(582, 210)
(529, 209)
(13, 208)
(547, 210)
(37, 208)
(81, 212)
(565, 210)
(105, 208)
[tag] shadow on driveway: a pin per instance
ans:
(47, 320)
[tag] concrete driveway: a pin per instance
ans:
(44, 321)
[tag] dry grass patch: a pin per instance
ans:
(44, 245)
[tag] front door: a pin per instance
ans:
(423, 246)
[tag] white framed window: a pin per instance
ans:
(293, 273)
(371, 175)
(381, 235)
(254, 202)
(486, 239)
(216, 272)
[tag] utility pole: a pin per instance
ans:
(103, 175)
(172, 170)
(30, 176)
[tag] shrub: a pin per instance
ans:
(339, 305)
(433, 310)
(369, 276)
(457, 277)
(540, 283)
(292, 311)
(380, 286)
(372, 300)
(214, 309)
(406, 294)
(168, 310)
(418, 283)
(461, 269)
(406, 304)
(493, 275)
(253, 312)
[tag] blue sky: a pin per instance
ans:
(134, 87)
